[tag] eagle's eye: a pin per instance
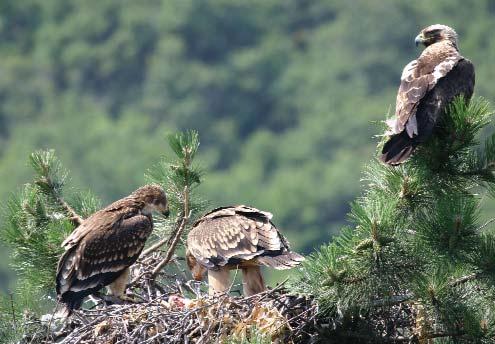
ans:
(433, 34)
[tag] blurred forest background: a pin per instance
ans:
(286, 95)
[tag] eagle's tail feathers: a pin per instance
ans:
(287, 260)
(398, 149)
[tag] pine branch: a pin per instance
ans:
(73, 216)
(185, 146)
(51, 179)
(181, 178)
(176, 236)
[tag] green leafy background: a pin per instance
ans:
(285, 94)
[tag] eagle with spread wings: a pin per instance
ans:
(101, 249)
(237, 237)
(428, 85)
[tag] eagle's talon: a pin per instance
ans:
(112, 300)
(131, 298)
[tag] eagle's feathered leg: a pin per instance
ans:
(117, 287)
(252, 281)
(219, 280)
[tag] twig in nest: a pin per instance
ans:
(73, 216)
(171, 248)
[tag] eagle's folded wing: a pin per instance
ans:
(115, 249)
(418, 77)
(232, 233)
(102, 255)
(100, 219)
(216, 241)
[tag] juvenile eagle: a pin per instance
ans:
(234, 237)
(100, 251)
(428, 84)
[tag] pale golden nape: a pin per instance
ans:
(237, 237)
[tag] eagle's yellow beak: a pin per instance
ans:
(419, 39)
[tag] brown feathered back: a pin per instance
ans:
(239, 236)
(106, 244)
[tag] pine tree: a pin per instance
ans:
(416, 264)
(35, 222)
(45, 211)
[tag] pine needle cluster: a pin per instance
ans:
(180, 177)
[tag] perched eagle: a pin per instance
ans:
(100, 251)
(234, 237)
(428, 84)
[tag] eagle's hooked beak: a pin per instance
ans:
(419, 39)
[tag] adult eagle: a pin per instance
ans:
(428, 84)
(100, 251)
(234, 237)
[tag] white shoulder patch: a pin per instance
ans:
(412, 126)
(445, 66)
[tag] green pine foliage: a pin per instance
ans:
(180, 177)
(37, 219)
(45, 211)
(35, 222)
(417, 237)
(254, 337)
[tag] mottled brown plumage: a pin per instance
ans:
(100, 251)
(237, 237)
(428, 85)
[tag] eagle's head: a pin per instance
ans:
(197, 270)
(436, 33)
(153, 197)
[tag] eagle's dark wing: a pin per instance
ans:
(104, 218)
(100, 257)
(233, 235)
(415, 83)
(459, 81)
(427, 86)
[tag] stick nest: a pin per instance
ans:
(272, 317)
